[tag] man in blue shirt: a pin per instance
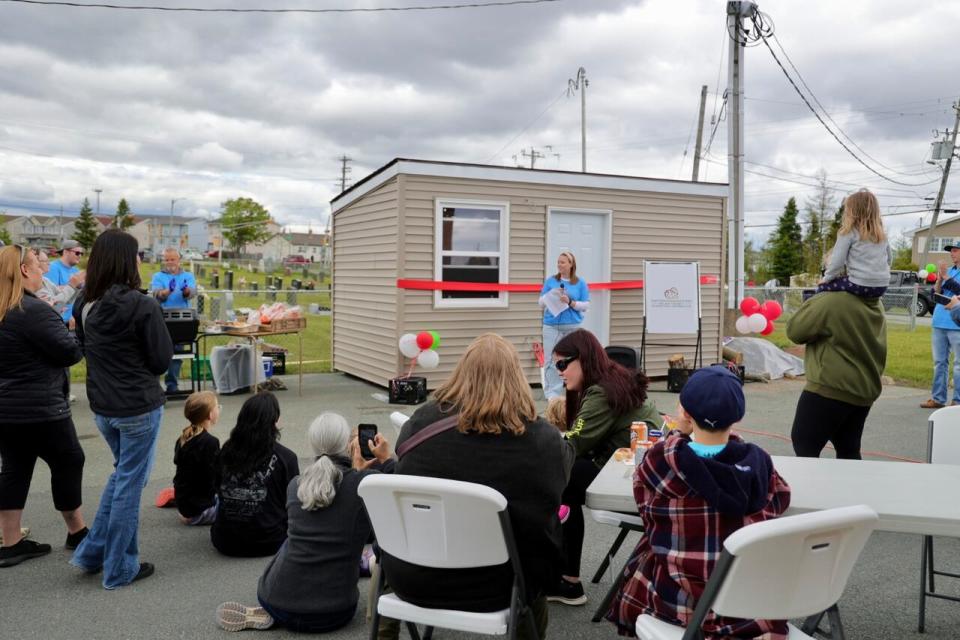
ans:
(174, 288)
(946, 337)
(62, 270)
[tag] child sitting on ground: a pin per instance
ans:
(693, 489)
(861, 249)
(556, 414)
(195, 455)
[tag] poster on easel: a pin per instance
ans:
(671, 297)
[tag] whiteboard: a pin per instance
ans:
(671, 296)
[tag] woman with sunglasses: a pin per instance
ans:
(565, 297)
(35, 419)
(603, 399)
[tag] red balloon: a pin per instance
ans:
(771, 309)
(749, 306)
(931, 277)
(424, 339)
(768, 329)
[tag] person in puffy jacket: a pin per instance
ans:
(35, 419)
(128, 347)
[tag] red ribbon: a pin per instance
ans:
(436, 285)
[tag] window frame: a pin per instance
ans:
(502, 301)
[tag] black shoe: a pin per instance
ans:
(146, 570)
(23, 550)
(74, 539)
(567, 592)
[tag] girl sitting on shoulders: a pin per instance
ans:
(195, 455)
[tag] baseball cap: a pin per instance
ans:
(713, 396)
(951, 246)
(69, 244)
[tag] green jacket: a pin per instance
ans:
(846, 338)
(596, 433)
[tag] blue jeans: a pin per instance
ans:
(112, 541)
(944, 341)
(552, 334)
(173, 375)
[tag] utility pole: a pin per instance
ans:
(951, 148)
(696, 155)
(580, 83)
(344, 170)
(61, 226)
(736, 12)
(172, 234)
(533, 154)
(98, 192)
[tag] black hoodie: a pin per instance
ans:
(127, 346)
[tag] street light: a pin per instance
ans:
(98, 192)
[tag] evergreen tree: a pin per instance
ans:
(85, 228)
(813, 244)
(4, 232)
(786, 251)
(835, 227)
(122, 219)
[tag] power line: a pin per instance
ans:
(435, 7)
(524, 130)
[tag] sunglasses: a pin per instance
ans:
(562, 365)
(76, 252)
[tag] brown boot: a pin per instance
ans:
(930, 404)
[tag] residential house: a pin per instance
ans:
(946, 233)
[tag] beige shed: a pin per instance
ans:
(407, 230)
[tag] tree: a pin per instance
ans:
(4, 232)
(786, 254)
(244, 221)
(756, 262)
(85, 228)
(123, 218)
(902, 254)
(819, 207)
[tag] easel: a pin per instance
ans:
(677, 281)
(698, 348)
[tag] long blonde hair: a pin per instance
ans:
(11, 279)
(329, 435)
(861, 211)
(573, 267)
(197, 410)
(488, 388)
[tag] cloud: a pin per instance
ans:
(211, 155)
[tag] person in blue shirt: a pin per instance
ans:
(574, 293)
(946, 336)
(174, 288)
(62, 270)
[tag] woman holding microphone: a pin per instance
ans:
(564, 299)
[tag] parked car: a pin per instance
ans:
(147, 255)
(295, 260)
(925, 301)
(191, 254)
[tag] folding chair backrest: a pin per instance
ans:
(433, 522)
(943, 446)
(793, 566)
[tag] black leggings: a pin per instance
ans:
(55, 443)
(819, 420)
(574, 496)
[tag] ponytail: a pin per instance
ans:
(190, 432)
(197, 409)
(329, 437)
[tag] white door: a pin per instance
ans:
(586, 234)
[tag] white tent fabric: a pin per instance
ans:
(763, 359)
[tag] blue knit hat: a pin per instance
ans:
(713, 396)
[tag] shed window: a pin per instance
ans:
(471, 246)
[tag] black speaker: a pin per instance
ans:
(412, 390)
(625, 356)
(676, 378)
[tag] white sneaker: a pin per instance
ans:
(72, 398)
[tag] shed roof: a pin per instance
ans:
(521, 174)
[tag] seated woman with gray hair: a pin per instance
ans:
(311, 584)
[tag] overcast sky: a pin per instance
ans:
(154, 106)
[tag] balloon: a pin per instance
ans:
(749, 306)
(743, 324)
(408, 345)
(428, 359)
(922, 274)
(771, 309)
(425, 340)
(757, 322)
(931, 277)
(436, 339)
(768, 329)
(931, 268)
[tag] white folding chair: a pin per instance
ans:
(443, 524)
(626, 522)
(791, 567)
(943, 447)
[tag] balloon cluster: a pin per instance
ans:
(421, 347)
(928, 273)
(758, 318)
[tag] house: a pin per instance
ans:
(312, 246)
(272, 249)
(161, 231)
(411, 226)
(946, 233)
(39, 231)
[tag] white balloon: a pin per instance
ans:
(408, 345)
(743, 324)
(922, 274)
(757, 322)
(428, 359)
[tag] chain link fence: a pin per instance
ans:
(901, 304)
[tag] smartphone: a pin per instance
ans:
(939, 298)
(366, 432)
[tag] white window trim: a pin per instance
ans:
(501, 302)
